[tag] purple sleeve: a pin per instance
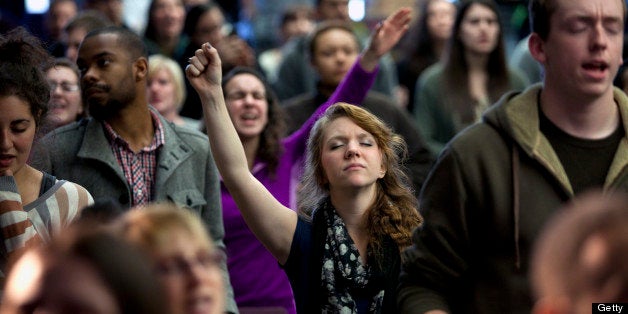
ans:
(352, 90)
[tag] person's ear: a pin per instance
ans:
(382, 171)
(140, 69)
(536, 45)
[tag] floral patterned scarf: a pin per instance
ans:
(343, 274)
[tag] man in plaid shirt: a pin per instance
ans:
(126, 151)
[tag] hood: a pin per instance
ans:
(514, 116)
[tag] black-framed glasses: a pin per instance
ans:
(65, 86)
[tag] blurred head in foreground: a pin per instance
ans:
(184, 257)
(580, 257)
(83, 272)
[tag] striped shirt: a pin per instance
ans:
(22, 226)
(138, 168)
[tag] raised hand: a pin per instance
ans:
(385, 36)
(387, 33)
(204, 71)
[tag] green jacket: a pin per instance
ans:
(433, 112)
(484, 203)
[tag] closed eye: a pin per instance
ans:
(18, 130)
(20, 126)
(577, 26)
(235, 96)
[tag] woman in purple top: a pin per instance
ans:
(255, 275)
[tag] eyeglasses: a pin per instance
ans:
(65, 86)
(178, 265)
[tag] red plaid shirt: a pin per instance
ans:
(138, 168)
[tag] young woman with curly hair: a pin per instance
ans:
(342, 251)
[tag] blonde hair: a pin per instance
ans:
(150, 227)
(159, 62)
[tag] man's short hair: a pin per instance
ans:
(88, 20)
(541, 11)
(127, 39)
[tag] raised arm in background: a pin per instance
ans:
(273, 223)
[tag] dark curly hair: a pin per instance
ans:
(22, 60)
(270, 147)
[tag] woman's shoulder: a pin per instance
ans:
(431, 74)
(59, 198)
(304, 228)
(73, 194)
(435, 69)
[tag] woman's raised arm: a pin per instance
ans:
(271, 222)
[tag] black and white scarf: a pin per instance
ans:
(343, 270)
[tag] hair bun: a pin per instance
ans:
(18, 46)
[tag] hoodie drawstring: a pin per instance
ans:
(515, 200)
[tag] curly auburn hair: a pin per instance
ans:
(395, 210)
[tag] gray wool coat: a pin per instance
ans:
(186, 173)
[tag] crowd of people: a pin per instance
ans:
(415, 167)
